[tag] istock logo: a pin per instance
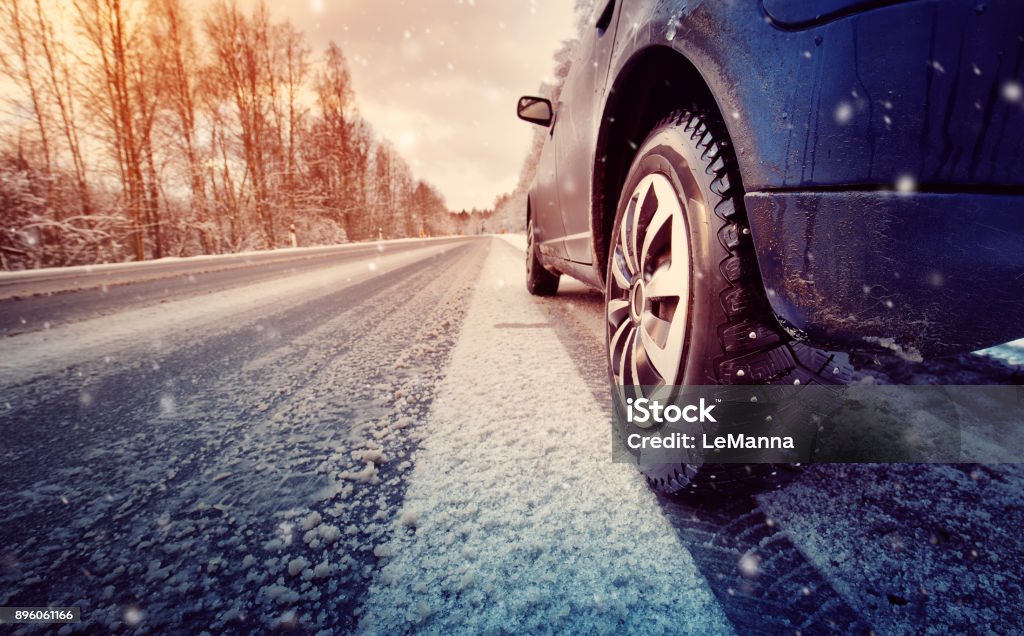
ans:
(646, 413)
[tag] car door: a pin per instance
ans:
(576, 134)
(547, 219)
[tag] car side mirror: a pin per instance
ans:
(535, 110)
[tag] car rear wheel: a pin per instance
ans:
(539, 281)
(684, 298)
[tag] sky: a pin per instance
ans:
(440, 78)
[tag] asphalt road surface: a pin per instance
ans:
(395, 437)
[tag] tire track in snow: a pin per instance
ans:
(764, 583)
(515, 519)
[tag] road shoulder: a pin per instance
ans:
(503, 527)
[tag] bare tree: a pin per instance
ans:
(108, 28)
(337, 161)
(58, 74)
(18, 34)
(240, 65)
(294, 67)
(403, 213)
(383, 193)
(177, 64)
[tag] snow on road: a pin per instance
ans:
(933, 549)
(515, 518)
(46, 351)
(49, 280)
(517, 241)
(238, 477)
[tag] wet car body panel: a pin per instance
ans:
(958, 267)
(860, 101)
(799, 14)
(543, 203)
(581, 115)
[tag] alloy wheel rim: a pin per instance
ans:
(649, 288)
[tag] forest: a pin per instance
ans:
(137, 130)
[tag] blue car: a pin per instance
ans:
(755, 185)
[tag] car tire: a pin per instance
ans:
(539, 281)
(682, 195)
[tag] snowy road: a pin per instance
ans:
(396, 438)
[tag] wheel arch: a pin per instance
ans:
(654, 81)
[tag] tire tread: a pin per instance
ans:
(772, 357)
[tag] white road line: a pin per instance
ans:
(515, 517)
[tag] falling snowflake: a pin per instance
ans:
(750, 565)
(133, 616)
(1012, 91)
(844, 113)
(906, 184)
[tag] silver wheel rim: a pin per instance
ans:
(649, 288)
